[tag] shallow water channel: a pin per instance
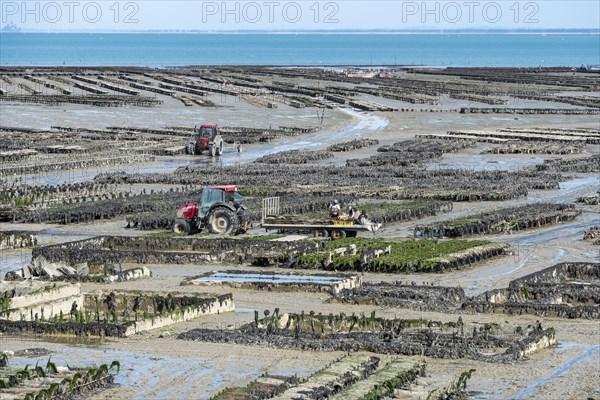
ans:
(270, 278)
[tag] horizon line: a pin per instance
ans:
(588, 31)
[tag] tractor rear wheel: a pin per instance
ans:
(212, 150)
(223, 221)
(182, 227)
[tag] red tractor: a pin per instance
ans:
(207, 138)
(221, 210)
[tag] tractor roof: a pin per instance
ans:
(225, 188)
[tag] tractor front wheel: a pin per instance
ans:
(223, 221)
(190, 148)
(182, 227)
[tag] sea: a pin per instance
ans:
(159, 50)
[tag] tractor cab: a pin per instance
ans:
(212, 195)
(203, 136)
(207, 131)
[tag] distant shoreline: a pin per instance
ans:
(499, 32)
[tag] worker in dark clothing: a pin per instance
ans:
(353, 213)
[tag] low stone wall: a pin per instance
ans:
(566, 290)
(55, 309)
(537, 340)
(546, 293)
(46, 294)
(560, 273)
(217, 306)
(60, 271)
(540, 340)
(44, 304)
(115, 315)
(17, 239)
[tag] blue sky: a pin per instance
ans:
(83, 15)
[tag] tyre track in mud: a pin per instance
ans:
(560, 373)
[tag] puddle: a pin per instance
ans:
(11, 260)
(269, 278)
(244, 310)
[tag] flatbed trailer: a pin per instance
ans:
(335, 231)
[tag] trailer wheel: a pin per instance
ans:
(320, 233)
(337, 234)
(351, 234)
(223, 221)
(182, 227)
(244, 222)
